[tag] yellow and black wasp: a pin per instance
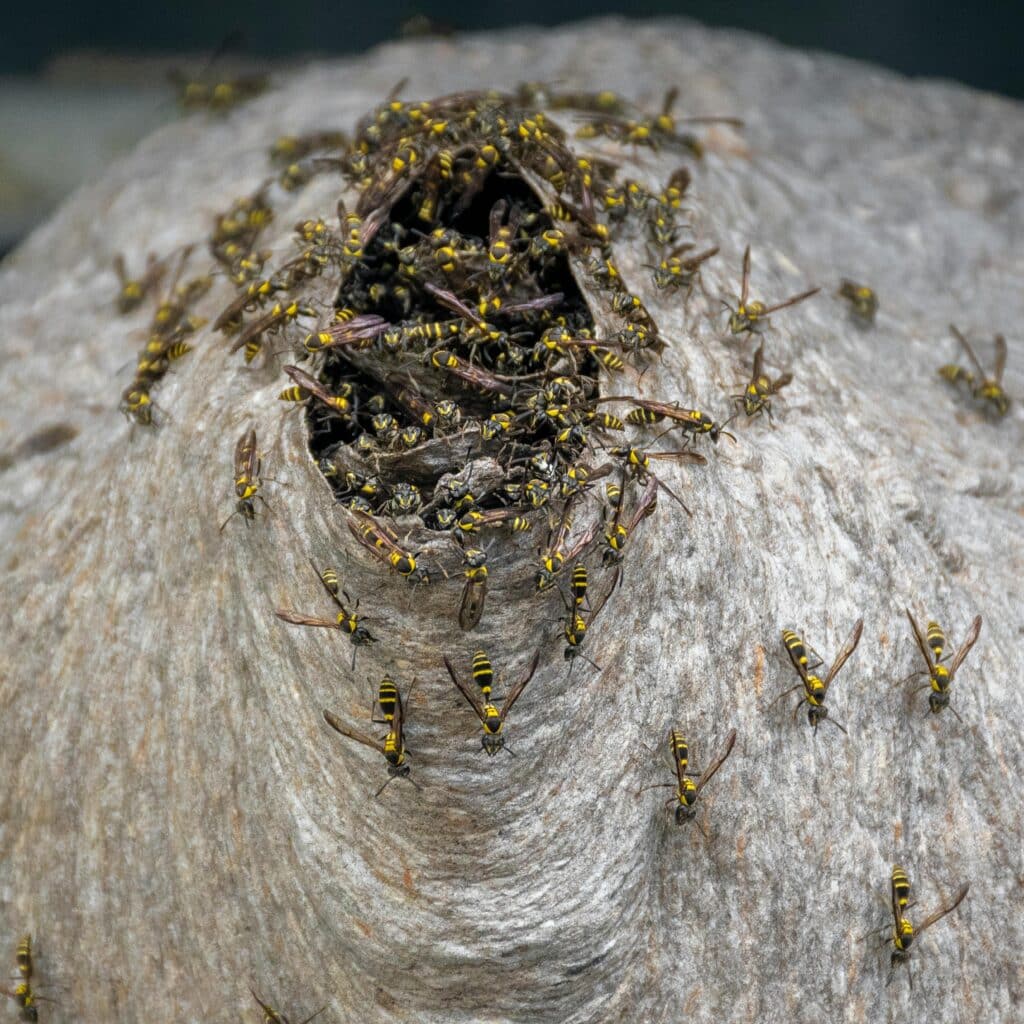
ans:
(940, 677)
(359, 331)
(637, 462)
(815, 689)
(647, 412)
(681, 271)
(555, 556)
(347, 621)
(135, 289)
(247, 478)
(271, 1016)
(474, 593)
(863, 301)
(375, 539)
(392, 746)
(306, 387)
(752, 316)
(904, 934)
(490, 717)
(686, 789)
(983, 387)
(251, 335)
(501, 249)
(756, 397)
(576, 625)
(23, 993)
(618, 533)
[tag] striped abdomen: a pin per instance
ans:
(483, 673)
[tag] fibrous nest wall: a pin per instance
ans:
(446, 391)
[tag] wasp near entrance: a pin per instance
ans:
(752, 315)
(816, 689)
(392, 746)
(686, 789)
(491, 718)
(940, 677)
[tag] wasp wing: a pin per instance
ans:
(471, 698)
(847, 649)
(969, 641)
(517, 688)
(966, 346)
(474, 595)
(745, 286)
(791, 301)
(945, 909)
(246, 456)
(758, 362)
(724, 751)
(338, 726)
(304, 620)
(921, 645)
(1000, 363)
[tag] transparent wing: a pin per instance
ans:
(724, 751)
(921, 645)
(338, 726)
(969, 641)
(517, 689)
(471, 698)
(945, 909)
(848, 648)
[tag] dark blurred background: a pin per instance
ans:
(67, 85)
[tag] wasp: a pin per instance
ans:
(756, 397)
(376, 540)
(679, 271)
(940, 676)
(985, 388)
(647, 412)
(474, 593)
(136, 403)
(247, 478)
(135, 289)
(686, 789)
(347, 621)
(359, 331)
(405, 498)
(490, 717)
(575, 628)
(816, 689)
(501, 255)
(863, 300)
(271, 1016)
(638, 463)
(251, 335)
(26, 999)
(308, 387)
(555, 557)
(392, 746)
(618, 533)
(442, 359)
(217, 97)
(753, 315)
(904, 935)
(289, 148)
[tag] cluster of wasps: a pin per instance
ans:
(453, 384)
(173, 323)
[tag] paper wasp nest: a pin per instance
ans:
(179, 823)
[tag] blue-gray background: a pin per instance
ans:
(977, 43)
